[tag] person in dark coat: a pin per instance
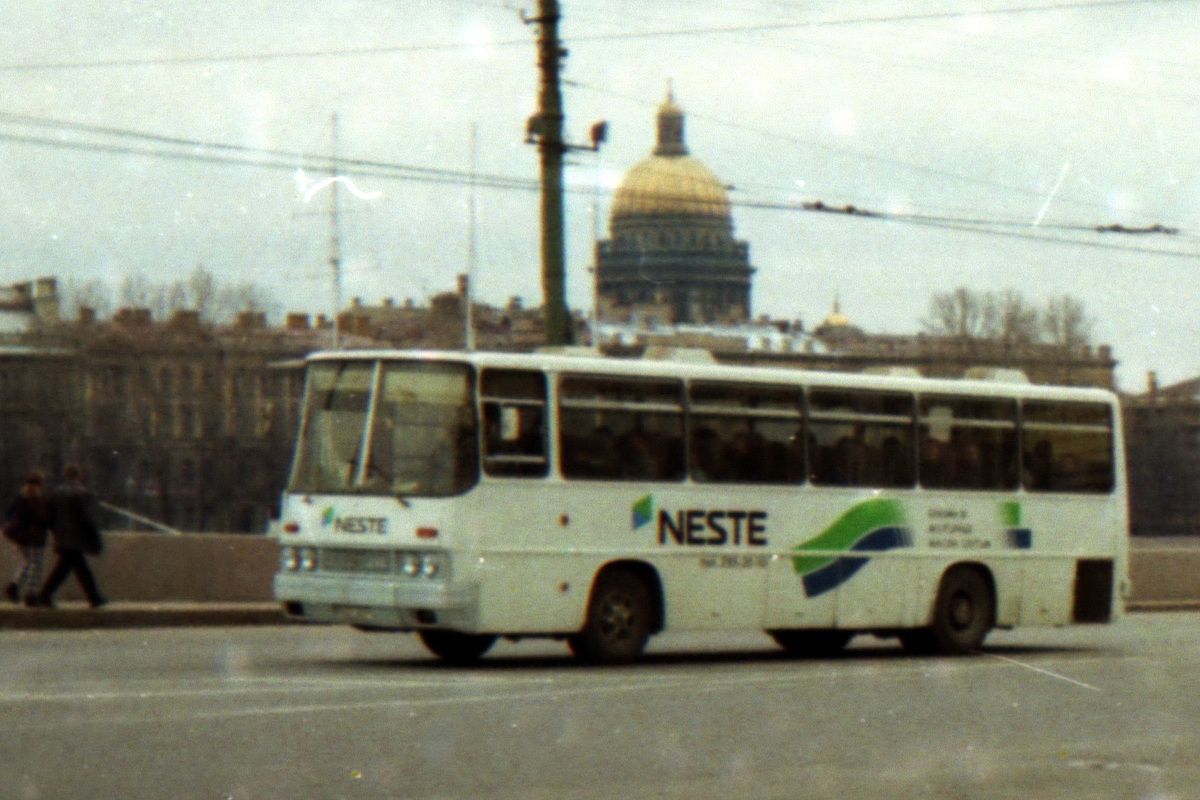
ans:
(25, 525)
(76, 532)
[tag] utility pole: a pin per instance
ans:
(545, 129)
(469, 285)
(335, 239)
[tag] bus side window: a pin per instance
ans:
(514, 423)
(746, 433)
(625, 429)
(1068, 447)
(862, 438)
(967, 443)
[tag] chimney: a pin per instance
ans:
(186, 319)
(87, 315)
(133, 317)
(251, 320)
(1152, 384)
(45, 299)
(297, 322)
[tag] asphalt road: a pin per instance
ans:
(300, 712)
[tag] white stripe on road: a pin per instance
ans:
(547, 690)
(241, 686)
(1044, 671)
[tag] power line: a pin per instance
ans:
(991, 227)
(957, 177)
(236, 155)
(597, 37)
(922, 17)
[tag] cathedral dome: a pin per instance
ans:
(670, 186)
(672, 256)
(670, 182)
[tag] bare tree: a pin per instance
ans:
(95, 294)
(959, 313)
(138, 291)
(202, 290)
(1010, 318)
(1065, 322)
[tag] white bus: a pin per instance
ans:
(469, 496)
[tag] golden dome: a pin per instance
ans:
(837, 324)
(670, 186)
(836, 320)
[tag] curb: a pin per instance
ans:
(1139, 606)
(77, 616)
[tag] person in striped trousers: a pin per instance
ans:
(25, 525)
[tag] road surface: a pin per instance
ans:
(314, 712)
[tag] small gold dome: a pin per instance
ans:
(670, 186)
(836, 320)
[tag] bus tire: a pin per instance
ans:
(620, 618)
(812, 643)
(963, 614)
(455, 647)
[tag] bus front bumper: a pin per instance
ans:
(378, 603)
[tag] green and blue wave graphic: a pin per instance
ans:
(1018, 535)
(870, 526)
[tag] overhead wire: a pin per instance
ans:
(237, 155)
(208, 152)
(579, 38)
(845, 152)
(956, 176)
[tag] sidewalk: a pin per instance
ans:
(77, 616)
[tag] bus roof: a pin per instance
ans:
(600, 364)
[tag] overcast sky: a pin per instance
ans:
(1042, 123)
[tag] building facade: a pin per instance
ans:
(1162, 435)
(181, 422)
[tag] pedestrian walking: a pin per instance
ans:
(76, 533)
(25, 526)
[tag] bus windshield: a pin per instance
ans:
(397, 427)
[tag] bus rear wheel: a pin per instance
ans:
(812, 644)
(619, 620)
(963, 614)
(455, 647)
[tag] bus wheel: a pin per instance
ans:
(812, 644)
(619, 620)
(963, 614)
(455, 647)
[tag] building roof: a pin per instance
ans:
(670, 182)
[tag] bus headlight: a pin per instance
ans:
(421, 564)
(288, 560)
(307, 559)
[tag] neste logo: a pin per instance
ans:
(643, 511)
(702, 526)
(330, 518)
